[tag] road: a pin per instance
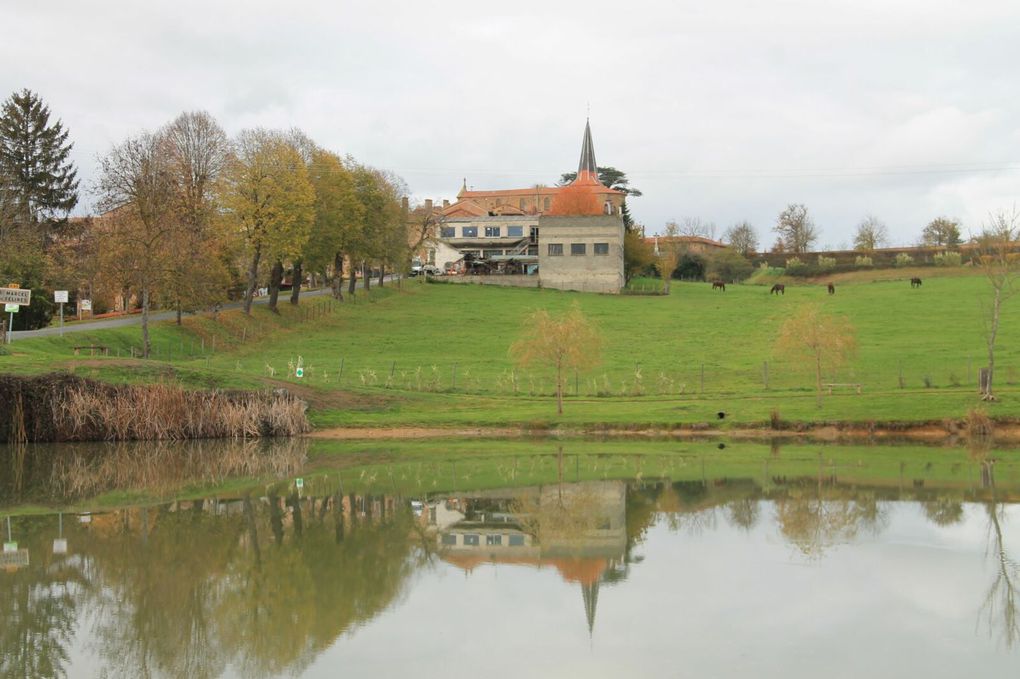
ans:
(136, 319)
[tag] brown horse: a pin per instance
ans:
(832, 289)
(915, 282)
(778, 289)
(718, 284)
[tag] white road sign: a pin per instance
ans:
(60, 296)
(15, 296)
(11, 308)
(85, 304)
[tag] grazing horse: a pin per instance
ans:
(721, 285)
(832, 289)
(778, 289)
(915, 282)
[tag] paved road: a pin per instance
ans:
(136, 319)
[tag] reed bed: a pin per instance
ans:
(63, 407)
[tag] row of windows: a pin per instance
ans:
(472, 539)
(490, 232)
(578, 249)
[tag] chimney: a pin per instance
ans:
(446, 203)
(404, 203)
(428, 205)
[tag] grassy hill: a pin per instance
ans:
(437, 355)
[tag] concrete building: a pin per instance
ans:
(581, 253)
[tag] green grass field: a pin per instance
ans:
(438, 355)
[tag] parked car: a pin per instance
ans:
(431, 270)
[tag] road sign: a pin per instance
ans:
(60, 296)
(11, 308)
(15, 296)
(300, 372)
(85, 304)
(299, 482)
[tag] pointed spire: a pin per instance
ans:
(590, 594)
(587, 163)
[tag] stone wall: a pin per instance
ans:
(587, 272)
(504, 281)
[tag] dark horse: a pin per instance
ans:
(721, 285)
(915, 282)
(832, 289)
(778, 289)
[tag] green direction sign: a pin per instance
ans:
(11, 308)
(15, 296)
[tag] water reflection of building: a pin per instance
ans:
(578, 529)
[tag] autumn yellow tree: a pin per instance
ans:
(561, 343)
(825, 340)
(267, 195)
(575, 199)
(668, 250)
(999, 259)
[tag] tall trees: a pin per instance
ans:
(196, 149)
(565, 343)
(338, 217)
(871, 234)
(941, 231)
(136, 190)
(795, 230)
(1000, 261)
(267, 195)
(742, 237)
(36, 174)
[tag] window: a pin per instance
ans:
(449, 539)
(555, 249)
(516, 540)
(577, 249)
(469, 232)
(547, 204)
(432, 255)
(601, 248)
(515, 231)
(470, 539)
(493, 539)
(492, 232)
(534, 234)
(448, 232)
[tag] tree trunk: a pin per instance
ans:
(298, 278)
(178, 310)
(146, 344)
(559, 386)
(993, 330)
(338, 276)
(382, 274)
(353, 283)
(366, 273)
(253, 279)
(275, 279)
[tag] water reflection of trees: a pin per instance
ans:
(69, 472)
(190, 589)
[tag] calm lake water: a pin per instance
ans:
(507, 560)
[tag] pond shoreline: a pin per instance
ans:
(948, 432)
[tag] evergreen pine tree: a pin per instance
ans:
(35, 173)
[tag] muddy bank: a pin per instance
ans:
(64, 407)
(945, 432)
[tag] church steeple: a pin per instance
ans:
(590, 594)
(587, 163)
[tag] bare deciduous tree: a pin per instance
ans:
(871, 234)
(668, 250)
(742, 238)
(795, 229)
(826, 340)
(567, 343)
(999, 259)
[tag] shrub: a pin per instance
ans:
(948, 259)
(903, 259)
(795, 267)
(826, 263)
(862, 261)
(729, 265)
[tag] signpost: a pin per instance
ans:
(12, 297)
(60, 297)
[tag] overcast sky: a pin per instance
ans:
(718, 110)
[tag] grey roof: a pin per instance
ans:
(587, 153)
